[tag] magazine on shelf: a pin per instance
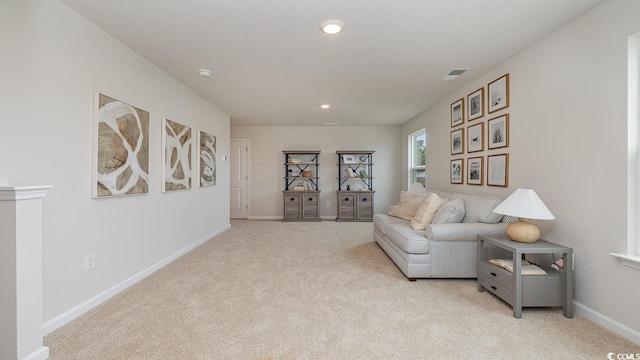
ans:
(527, 267)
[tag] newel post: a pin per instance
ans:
(21, 273)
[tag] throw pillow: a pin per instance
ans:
(426, 211)
(478, 209)
(408, 205)
(451, 212)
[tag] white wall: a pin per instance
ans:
(568, 142)
(267, 143)
(53, 61)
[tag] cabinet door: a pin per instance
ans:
(346, 207)
(365, 206)
(292, 206)
(309, 206)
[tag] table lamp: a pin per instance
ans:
(524, 204)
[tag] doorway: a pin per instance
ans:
(239, 169)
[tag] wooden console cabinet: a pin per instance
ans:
(355, 205)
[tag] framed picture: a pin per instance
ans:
(498, 170)
(456, 171)
(206, 159)
(349, 159)
(176, 156)
(474, 170)
(457, 141)
(120, 148)
(499, 94)
(475, 104)
(498, 133)
(457, 113)
(475, 141)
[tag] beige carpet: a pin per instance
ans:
(274, 290)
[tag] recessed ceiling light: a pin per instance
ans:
(331, 27)
(204, 72)
(325, 106)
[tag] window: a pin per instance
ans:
(418, 157)
(632, 255)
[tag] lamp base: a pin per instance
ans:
(522, 231)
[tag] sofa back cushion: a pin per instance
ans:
(426, 211)
(408, 205)
(479, 209)
(451, 212)
(443, 194)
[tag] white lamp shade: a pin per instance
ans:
(524, 203)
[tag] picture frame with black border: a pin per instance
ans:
(474, 170)
(457, 113)
(498, 132)
(457, 142)
(475, 138)
(498, 170)
(498, 94)
(456, 171)
(475, 104)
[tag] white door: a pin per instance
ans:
(239, 178)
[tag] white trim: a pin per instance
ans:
(91, 303)
(633, 149)
(607, 322)
(41, 354)
(628, 260)
(11, 193)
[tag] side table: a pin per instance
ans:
(553, 289)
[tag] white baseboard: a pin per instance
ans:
(76, 311)
(41, 354)
(328, 217)
(607, 322)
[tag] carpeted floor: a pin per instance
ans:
(275, 290)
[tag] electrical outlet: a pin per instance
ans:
(89, 262)
(328, 203)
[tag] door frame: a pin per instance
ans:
(248, 191)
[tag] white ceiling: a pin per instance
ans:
(272, 65)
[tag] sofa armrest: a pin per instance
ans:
(463, 231)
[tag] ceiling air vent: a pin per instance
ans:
(455, 73)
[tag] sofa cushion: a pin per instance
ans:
(426, 211)
(408, 205)
(479, 208)
(443, 194)
(450, 212)
(380, 222)
(407, 239)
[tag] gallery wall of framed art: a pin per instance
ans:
(481, 137)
